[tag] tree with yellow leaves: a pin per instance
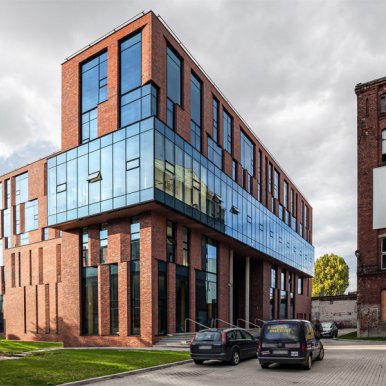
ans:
(331, 276)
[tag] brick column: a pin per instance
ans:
(104, 299)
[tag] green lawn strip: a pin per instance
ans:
(353, 336)
(61, 366)
(9, 347)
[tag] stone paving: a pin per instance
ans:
(345, 363)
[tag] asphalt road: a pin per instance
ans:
(345, 363)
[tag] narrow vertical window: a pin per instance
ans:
(259, 169)
(300, 286)
(186, 247)
(90, 301)
(195, 112)
(21, 188)
(170, 241)
(94, 91)
(114, 321)
(227, 128)
(383, 253)
(234, 170)
(383, 145)
(367, 108)
(103, 237)
(8, 193)
(215, 119)
(173, 80)
(135, 321)
(130, 67)
(162, 298)
(85, 247)
(383, 103)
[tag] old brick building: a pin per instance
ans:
(371, 251)
(162, 211)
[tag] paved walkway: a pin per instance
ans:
(345, 363)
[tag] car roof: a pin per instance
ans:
(278, 321)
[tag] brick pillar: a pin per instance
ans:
(123, 301)
(70, 296)
(171, 297)
(146, 285)
(104, 299)
(93, 245)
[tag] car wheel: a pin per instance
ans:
(235, 358)
(264, 365)
(308, 363)
(321, 354)
(198, 361)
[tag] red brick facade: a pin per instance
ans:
(371, 277)
(42, 293)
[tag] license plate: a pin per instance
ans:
(280, 352)
(294, 354)
(204, 347)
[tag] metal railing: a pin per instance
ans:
(195, 322)
(259, 320)
(223, 321)
(247, 323)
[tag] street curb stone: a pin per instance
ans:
(125, 373)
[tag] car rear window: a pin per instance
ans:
(283, 332)
(208, 336)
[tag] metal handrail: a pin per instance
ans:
(260, 320)
(191, 320)
(245, 321)
(223, 321)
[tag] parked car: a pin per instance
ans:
(330, 330)
(289, 342)
(228, 345)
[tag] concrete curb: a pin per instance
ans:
(126, 373)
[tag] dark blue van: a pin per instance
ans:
(290, 342)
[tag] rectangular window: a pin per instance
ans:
(383, 103)
(282, 281)
(103, 242)
(276, 186)
(94, 91)
(234, 170)
(24, 238)
(46, 233)
(134, 239)
(274, 277)
(215, 111)
(182, 297)
(170, 241)
(7, 223)
(259, 169)
(114, 320)
(90, 301)
(285, 194)
(293, 202)
(247, 154)
(17, 219)
(85, 247)
(383, 145)
(186, 247)
(209, 255)
(227, 128)
(300, 286)
(8, 193)
(162, 298)
(283, 304)
(31, 215)
(135, 308)
(21, 188)
(173, 79)
(383, 253)
(195, 112)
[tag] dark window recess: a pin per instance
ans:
(383, 253)
(383, 145)
(134, 239)
(84, 247)
(135, 321)
(173, 80)
(170, 241)
(383, 104)
(90, 301)
(114, 321)
(103, 242)
(162, 298)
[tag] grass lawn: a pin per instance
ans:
(353, 335)
(60, 366)
(9, 347)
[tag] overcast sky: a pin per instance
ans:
(289, 68)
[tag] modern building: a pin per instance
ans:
(371, 252)
(162, 212)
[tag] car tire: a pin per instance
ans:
(198, 361)
(321, 354)
(308, 363)
(264, 365)
(235, 358)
